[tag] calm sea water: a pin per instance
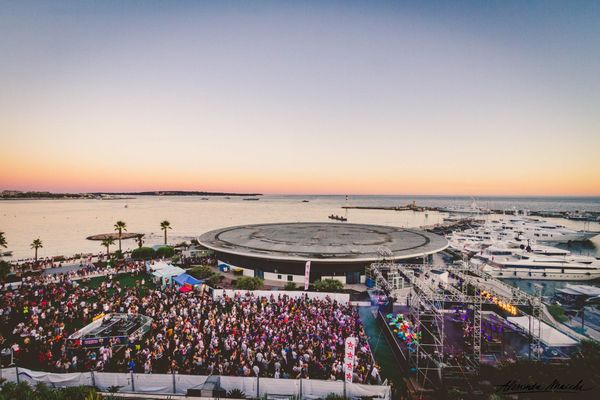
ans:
(63, 225)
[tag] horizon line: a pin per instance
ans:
(310, 194)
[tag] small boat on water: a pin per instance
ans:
(338, 218)
(6, 253)
(305, 201)
(204, 198)
(252, 199)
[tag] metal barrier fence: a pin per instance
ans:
(177, 384)
(343, 298)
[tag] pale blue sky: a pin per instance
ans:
(323, 97)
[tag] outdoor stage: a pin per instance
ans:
(502, 339)
(111, 328)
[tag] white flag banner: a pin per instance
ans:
(306, 275)
(349, 356)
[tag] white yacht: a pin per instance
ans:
(472, 209)
(538, 230)
(475, 241)
(471, 241)
(518, 263)
(526, 228)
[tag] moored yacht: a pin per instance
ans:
(472, 209)
(540, 230)
(525, 228)
(517, 263)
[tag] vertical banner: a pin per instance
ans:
(349, 356)
(306, 275)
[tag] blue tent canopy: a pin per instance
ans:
(186, 278)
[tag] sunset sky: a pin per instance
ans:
(461, 97)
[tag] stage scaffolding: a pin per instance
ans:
(427, 300)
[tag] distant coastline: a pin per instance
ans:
(175, 193)
(19, 195)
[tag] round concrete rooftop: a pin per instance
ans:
(321, 241)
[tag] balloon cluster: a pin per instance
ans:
(405, 330)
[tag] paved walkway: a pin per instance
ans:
(591, 330)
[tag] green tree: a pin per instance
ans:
(3, 242)
(93, 395)
(557, 312)
(5, 269)
(249, 283)
(120, 226)
(236, 394)
(290, 286)
(165, 225)
(214, 280)
(12, 390)
(41, 391)
(36, 244)
(206, 274)
(140, 240)
(165, 251)
(143, 253)
(201, 272)
(107, 243)
(334, 396)
(328, 285)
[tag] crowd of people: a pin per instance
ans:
(82, 271)
(188, 261)
(191, 333)
(44, 263)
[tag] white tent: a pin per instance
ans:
(166, 275)
(157, 265)
(548, 335)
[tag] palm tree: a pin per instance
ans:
(164, 226)
(36, 244)
(107, 243)
(120, 226)
(3, 242)
(140, 240)
(5, 269)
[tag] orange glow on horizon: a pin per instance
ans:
(81, 177)
(290, 98)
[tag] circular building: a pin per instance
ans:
(340, 250)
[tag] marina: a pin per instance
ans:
(447, 315)
(68, 222)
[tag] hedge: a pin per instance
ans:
(165, 251)
(249, 283)
(143, 253)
